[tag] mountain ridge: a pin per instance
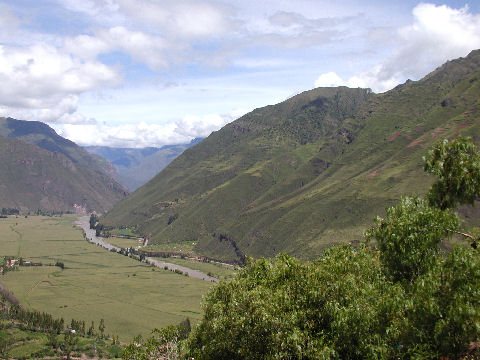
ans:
(44, 171)
(307, 173)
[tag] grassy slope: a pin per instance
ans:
(96, 283)
(309, 172)
(32, 178)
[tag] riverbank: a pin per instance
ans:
(84, 223)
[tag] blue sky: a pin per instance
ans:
(137, 73)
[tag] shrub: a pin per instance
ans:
(340, 306)
(409, 235)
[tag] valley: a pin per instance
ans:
(132, 297)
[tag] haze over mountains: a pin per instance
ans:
(42, 170)
(136, 166)
(309, 172)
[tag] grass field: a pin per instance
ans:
(132, 297)
(222, 272)
(122, 242)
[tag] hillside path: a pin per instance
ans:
(84, 223)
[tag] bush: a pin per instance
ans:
(409, 235)
(340, 306)
(444, 313)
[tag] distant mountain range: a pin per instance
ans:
(309, 172)
(42, 170)
(137, 166)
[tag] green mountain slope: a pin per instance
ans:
(32, 177)
(307, 173)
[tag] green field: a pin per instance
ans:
(132, 297)
(220, 271)
(122, 242)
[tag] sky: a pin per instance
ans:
(137, 73)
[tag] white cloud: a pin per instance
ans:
(438, 34)
(144, 48)
(143, 134)
(331, 79)
(200, 126)
(44, 81)
(187, 18)
(41, 76)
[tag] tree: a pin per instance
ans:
(163, 344)
(340, 306)
(443, 313)
(409, 235)
(91, 330)
(184, 329)
(69, 343)
(457, 165)
(52, 340)
(93, 221)
(101, 327)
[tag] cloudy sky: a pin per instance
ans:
(136, 73)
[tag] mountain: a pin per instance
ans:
(308, 173)
(42, 170)
(42, 135)
(136, 166)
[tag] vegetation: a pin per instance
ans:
(405, 299)
(308, 173)
(94, 283)
(31, 334)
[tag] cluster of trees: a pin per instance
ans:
(59, 335)
(35, 320)
(397, 296)
(10, 211)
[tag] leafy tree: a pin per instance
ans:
(163, 344)
(91, 330)
(457, 165)
(69, 343)
(101, 327)
(409, 235)
(443, 313)
(184, 329)
(52, 340)
(340, 306)
(93, 221)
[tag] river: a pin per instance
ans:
(84, 223)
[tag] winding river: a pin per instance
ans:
(84, 223)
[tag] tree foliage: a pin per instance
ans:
(163, 344)
(283, 309)
(409, 235)
(457, 165)
(443, 312)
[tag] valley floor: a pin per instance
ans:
(132, 297)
